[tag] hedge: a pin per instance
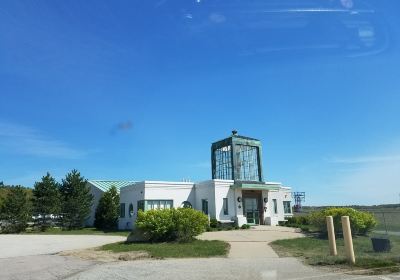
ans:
(361, 222)
(181, 224)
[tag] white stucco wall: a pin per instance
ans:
(130, 194)
(270, 217)
(222, 189)
(178, 192)
(205, 190)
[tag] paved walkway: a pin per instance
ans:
(252, 243)
(19, 245)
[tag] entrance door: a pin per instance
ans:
(251, 210)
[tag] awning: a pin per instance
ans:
(256, 186)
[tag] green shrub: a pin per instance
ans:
(180, 225)
(213, 223)
(188, 223)
(361, 222)
(245, 226)
(298, 220)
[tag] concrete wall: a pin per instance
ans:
(130, 194)
(205, 190)
(223, 190)
(282, 195)
(178, 192)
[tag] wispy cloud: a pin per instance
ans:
(366, 159)
(19, 139)
(368, 179)
(122, 126)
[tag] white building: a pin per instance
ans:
(236, 194)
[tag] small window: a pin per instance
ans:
(204, 206)
(286, 207)
(186, 204)
(130, 210)
(145, 205)
(275, 205)
(122, 210)
(225, 206)
(140, 205)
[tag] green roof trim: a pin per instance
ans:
(105, 185)
(256, 186)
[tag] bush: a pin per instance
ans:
(180, 225)
(213, 223)
(245, 226)
(298, 220)
(361, 222)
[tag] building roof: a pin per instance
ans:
(234, 137)
(244, 137)
(105, 185)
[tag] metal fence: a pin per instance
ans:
(388, 220)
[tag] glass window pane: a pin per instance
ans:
(275, 205)
(223, 163)
(225, 206)
(247, 160)
(122, 210)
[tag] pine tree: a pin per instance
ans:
(46, 200)
(16, 210)
(76, 200)
(107, 211)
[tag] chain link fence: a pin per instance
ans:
(388, 220)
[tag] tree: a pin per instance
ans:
(16, 210)
(46, 200)
(76, 200)
(107, 212)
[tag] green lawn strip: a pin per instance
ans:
(195, 249)
(84, 231)
(315, 251)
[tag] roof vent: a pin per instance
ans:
(234, 132)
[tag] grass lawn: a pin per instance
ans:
(195, 249)
(315, 251)
(84, 231)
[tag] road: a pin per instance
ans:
(19, 260)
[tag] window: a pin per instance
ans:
(130, 210)
(225, 206)
(223, 163)
(286, 207)
(204, 206)
(154, 204)
(140, 205)
(275, 205)
(122, 210)
(247, 159)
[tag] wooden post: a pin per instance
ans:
(331, 235)
(348, 241)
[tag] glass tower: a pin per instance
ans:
(237, 158)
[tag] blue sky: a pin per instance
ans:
(140, 89)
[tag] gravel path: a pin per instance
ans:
(19, 245)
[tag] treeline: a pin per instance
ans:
(66, 203)
(362, 207)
